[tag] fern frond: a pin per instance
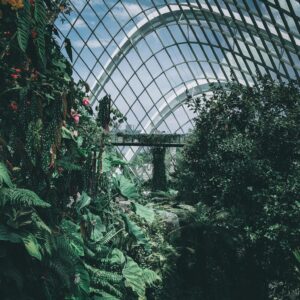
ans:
(68, 165)
(40, 17)
(150, 277)
(73, 236)
(109, 236)
(21, 197)
(100, 276)
(61, 271)
(7, 235)
(24, 24)
(4, 176)
(40, 14)
(111, 289)
(46, 240)
(39, 223)
(65, 250)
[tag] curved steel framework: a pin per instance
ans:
(146, 53)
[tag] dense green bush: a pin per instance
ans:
(241, 170)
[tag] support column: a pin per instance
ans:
(159, 177)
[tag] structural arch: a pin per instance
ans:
(145, 53)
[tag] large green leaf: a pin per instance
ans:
(84, 201)
(134, 278)
(67, 134)
(84, 279)
(72, 233)
(110, 160)
(116, 257)
(4, 176)
(127, 188)
(98, 228)
(134, 230)
(144, 212)
(7, 235)
(32, 246)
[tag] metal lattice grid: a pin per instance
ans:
(146, 54)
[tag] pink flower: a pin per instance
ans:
(17, 70)
(13, 106)
(76, 118)
(33, 34)
(14, 76)
(86, 101)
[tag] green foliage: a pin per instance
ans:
(241, 171)
(134, 278)
(20, 197)
(40, 17)
(63, 232)
(8, 235)
(32, 246)
(144, 212)
(24, 26)
(135, 231)
(116, 257)
(4, 176)
(127, 188)
(72, 235)
(150, 277)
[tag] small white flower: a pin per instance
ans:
(77, 278)
(69, 205)
(118, 171)
(78, 196)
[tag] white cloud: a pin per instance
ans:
(79, 23)
(130, 8)
(92, 43)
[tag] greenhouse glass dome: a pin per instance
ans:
(148, 54)
(149, 149)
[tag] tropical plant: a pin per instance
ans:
(63, 234)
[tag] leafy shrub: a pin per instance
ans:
(241, 169)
